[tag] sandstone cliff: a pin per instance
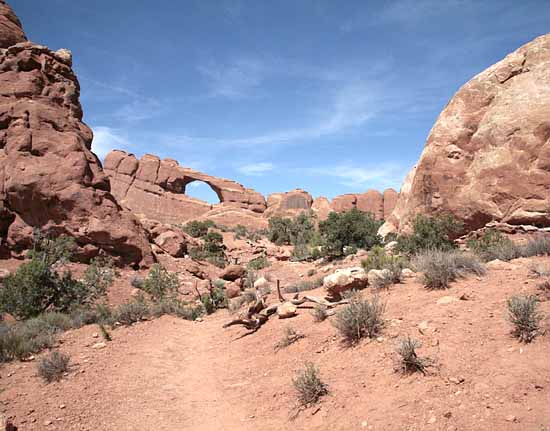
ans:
(487, 157)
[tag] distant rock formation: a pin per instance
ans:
(49, 178)
(288, 204)
(372, 201)
(155, 189)
(487, 157)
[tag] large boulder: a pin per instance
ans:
(49, 178)
(487, 157)
(233, 272)
(345, 279)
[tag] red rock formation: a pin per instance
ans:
(372, 201)
(321, 208)
(49, 178)
(487, 157)
(11, 31)
(288, 204)
(155, 189)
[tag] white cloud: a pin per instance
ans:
(255, 169)
(236, 80)
(107, 139)
(379, 177)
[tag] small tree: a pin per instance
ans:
(160, 283)
(351, 228)
(430, 233)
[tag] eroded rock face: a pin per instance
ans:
(379, 204)
(49, 178)
(155, 188)
(487, 157)
(11, 31)
(288, 204)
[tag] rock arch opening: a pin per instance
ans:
(201, 190)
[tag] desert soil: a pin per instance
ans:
(170, 374)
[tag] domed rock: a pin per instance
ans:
(487, 157)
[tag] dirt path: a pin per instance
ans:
(178, 378)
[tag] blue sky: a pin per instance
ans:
(329, 96)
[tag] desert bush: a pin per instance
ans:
(99, 275)
(361, 318)
(352, 228)
(429, 233)
(524, 315)
(494, 245)
(409, 361)
(137, 282)
(303, 286)
(212, 250)
(52, 367)
(291, 231)
(544, 288)
(289, 337)
(250, 279)
(319, 313)
(160, 283)
(309, 386)
(247, 297)
(99, 313)
(177, 308)
(198, 229)
(440, 268)
(378, 259)
(51, 251)
(132, 312)
(213, 300)
(539, 269)
(258, 263)
(539, 246)
(37, 287)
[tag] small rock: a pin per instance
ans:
(286, 310)
(408, 273)
(432, 420)
(98, 346)
(511, 418)
(444, 300)
(47, 423)
(95, 335)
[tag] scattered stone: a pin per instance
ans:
(232, 290)
(286, 310)
(95, 335)
(345, 279)
(511, 418)
(444, 300)
(375, 276)
(98, 346)
(432, 420)
(262, 282)
(407, 273)
(233, 272)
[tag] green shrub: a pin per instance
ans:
(319, 313)
(212, 250)
(35, 288)
(440, 268)
(52, 250)
(491, 245)
(539, 246)
(309, 386)
(429, 233)
(409, 361)
(177, 308)
(524, 315)
(214, 300)
(289, 337)
(160, 283)
(132, 312)
(361, 318)
(198, 229)
(99, 275)
(52, 367)
(87, 315)
(352, 228)
(377, 259)
(258, 263)
(291, 231)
